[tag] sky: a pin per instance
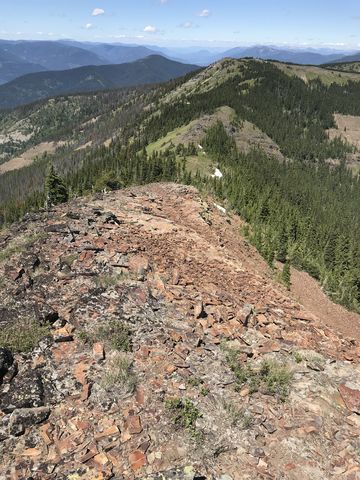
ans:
(306, 23)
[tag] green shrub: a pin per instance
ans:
(195, 381)
(237, 416)
(116, 335)
(298, 357)
(23, 335)
(185, 414)
(271, 377)
(20, 245)
(119, 372)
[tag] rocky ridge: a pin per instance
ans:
(165, 351)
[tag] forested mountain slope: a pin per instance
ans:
(23, 57)
(301, 204)
(12, 66)
(114, 53)
(35, 86)
(351, 66)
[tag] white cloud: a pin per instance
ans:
(88, 26)
(187, 25)
(150, 29)
(205, 13)
(97, 11)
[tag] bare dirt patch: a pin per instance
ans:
(83, 147)
(309, 293)
(249, 137)
(29, 156)
(348, 128)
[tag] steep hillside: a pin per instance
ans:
(75, 120)
(157, 346)
(153, 69)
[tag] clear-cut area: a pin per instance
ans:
(147, 339)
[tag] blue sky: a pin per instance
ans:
(328, 23)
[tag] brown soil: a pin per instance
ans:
(348, 129)
(309, 293)
(29, 156)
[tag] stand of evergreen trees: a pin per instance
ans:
(303, 213)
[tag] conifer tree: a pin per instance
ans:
(286, 275)
(330, 253)
(282, 250)
(55, 189)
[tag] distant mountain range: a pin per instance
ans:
(22, 57)
(348, 58)
(292, 56)
(31, 66)
(115, 53)
(36, 86)
(27, 56)
(12, 66)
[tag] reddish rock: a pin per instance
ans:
(137, 459)
(64, 334)
(351, 398)
(170, 368)
(305, 317)
(85, 394)
(101, 459)
(133, 424)
(269, 347)
(108, 432)
(98, 351)
(32, 452)
(244, 314)
(140, 395)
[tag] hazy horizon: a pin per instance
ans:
(203, 23)
(210, 46)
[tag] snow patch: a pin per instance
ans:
(217, 174)
(219, 207)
